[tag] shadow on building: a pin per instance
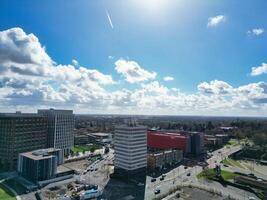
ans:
(119, 188)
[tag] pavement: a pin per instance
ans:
(179, 177)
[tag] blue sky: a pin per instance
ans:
(212, 42)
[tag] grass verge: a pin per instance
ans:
(6, 194)
(233, 163)
(83, 148)
(210, 173)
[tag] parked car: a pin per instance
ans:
(153, 179)
(161, 178)
(157, 191)
(188, 174)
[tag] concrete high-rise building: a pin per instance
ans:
(20, 132)
(130, 143)
(60, 129)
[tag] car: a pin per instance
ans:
(96, 169)
(157, 191)
(153, 179)
(163, 175)
(161, 178)
(225, 165)
(252, 175)
(188, 174)
(185, 167)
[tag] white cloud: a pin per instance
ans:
(18, 47)
(215, 87)
(30, 79)
(256, 31)
(168, 78)
(109, 19)
(132, 72)
(216, 20)
(75, 62)
(256, 71)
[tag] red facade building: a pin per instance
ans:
(163, 140)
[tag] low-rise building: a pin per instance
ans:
(99, 138)
(224, 137)
(81, 139)
(211, 140)
(41, 165)
(159, 160)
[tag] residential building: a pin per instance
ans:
(60, 129)
(20, 132)
(130, 142)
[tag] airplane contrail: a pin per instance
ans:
(109, 19)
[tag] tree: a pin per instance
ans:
(210, 126)
(260, 139)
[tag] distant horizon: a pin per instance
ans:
(149, 115)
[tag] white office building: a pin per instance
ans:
(60, 129)
(130, 143)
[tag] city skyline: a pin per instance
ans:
(130, 57)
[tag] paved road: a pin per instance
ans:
(179, 176)
(101, 170)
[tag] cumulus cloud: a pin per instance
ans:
(18, 47)
(75, 62)
(216, 20)
(168, 78)
(28, 72)
(215, 87)
(256, 71)
(30, 79)
(256, 31)
(133, 72)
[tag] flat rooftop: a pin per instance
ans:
(19, 115)
(40, 154)
(99, 134)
